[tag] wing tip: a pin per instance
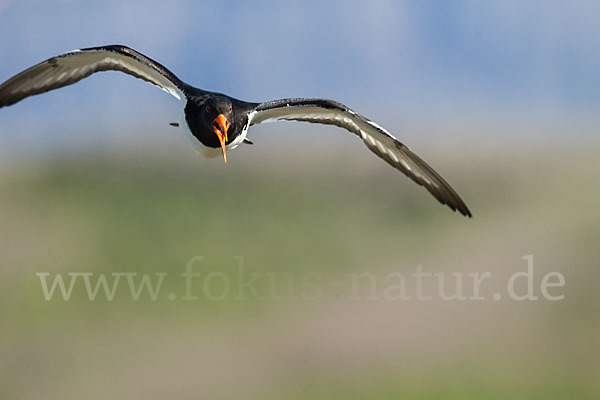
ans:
(453, 201)
(462, 209)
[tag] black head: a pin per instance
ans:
(216, 115)
(215, 106)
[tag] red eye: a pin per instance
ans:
(230, 108)
(207, 109)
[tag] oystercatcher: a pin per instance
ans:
(216, 122)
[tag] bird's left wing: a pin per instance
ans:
(377, 139)
(68, 68)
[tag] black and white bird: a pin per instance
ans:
(216, 122)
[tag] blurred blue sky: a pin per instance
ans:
(398, 62)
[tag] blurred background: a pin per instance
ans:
(501, 97)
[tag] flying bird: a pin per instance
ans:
(216, 122)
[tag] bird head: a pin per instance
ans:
(217, 114)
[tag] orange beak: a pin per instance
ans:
(220, 126)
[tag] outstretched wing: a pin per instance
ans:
(68, 68)
(377, 139)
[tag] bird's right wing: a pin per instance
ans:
(68, 68)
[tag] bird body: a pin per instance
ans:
(216, 123)
(201, 107)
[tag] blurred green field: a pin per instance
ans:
(149, 213)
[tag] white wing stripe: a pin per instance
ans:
(405, 164)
